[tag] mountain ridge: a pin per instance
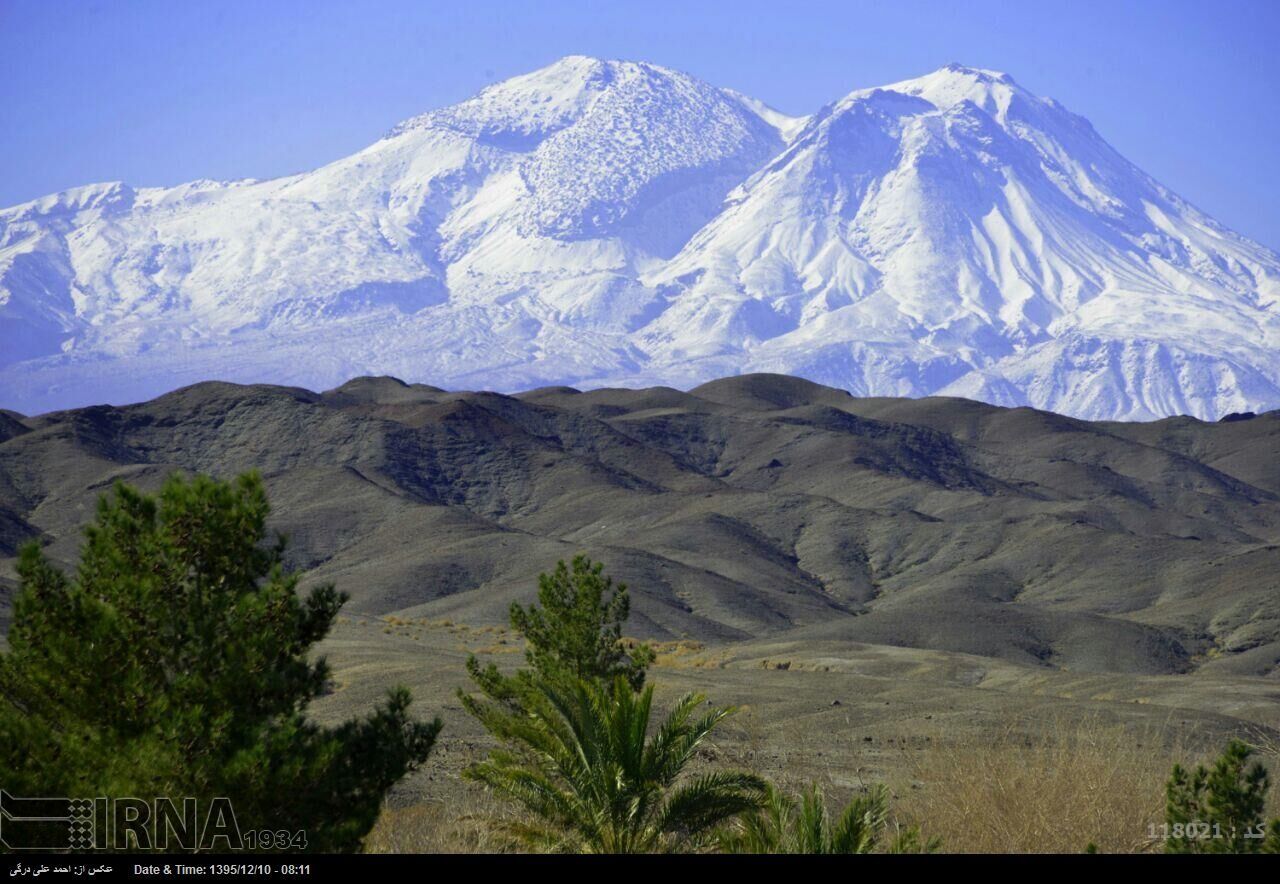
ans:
(599, 223)
(748, 507)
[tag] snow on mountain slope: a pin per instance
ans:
(956, 234)
(601, 222)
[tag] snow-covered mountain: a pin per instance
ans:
(599, 223)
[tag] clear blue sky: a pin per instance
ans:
(156, 93)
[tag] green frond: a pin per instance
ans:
(909, 839)
(784, 824)
(535, 791)
(860, 826)
(581, 763)
(707, 802)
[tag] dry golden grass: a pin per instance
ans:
(1046, 787)
(500, 648)
(464, 825)
(1266, 745)
(678, 654)
(1054, 787)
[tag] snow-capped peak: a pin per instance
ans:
(954, 84)
(529, 107)
(614, 222)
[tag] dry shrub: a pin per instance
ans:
(1264, 740)
(462, 825)
(678, 654)
(499, 648)
(1054, 787)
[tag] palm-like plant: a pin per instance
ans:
(579, 758)
(785, 825)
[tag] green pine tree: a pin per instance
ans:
(1220, 809)
(575, 634)
(578, 629)
(174, 662)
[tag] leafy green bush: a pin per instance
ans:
(1220, 809)
(174, 663)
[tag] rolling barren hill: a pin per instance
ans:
(751, 509)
